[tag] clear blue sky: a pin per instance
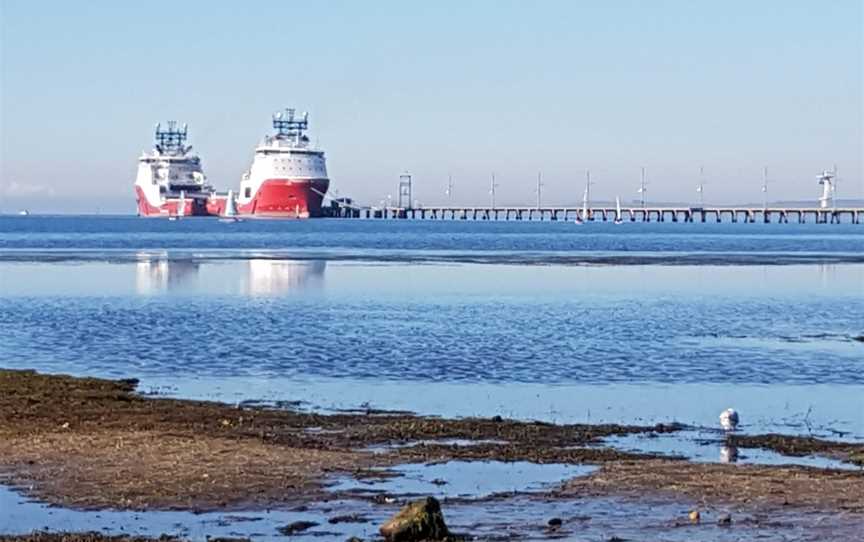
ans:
(461, 87)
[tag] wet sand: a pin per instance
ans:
(94, 444)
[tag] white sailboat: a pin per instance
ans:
(181, 207)
(618, 219)
(585, 216)
(230, 213)
(581, 219)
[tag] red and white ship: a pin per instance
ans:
(288, 177)
(170, 181)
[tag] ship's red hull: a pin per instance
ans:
(193, 206)
(276, 198)
(287, 198)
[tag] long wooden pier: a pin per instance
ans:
(783, 215)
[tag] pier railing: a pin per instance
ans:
(783, 215)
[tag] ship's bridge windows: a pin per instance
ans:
(248, 192)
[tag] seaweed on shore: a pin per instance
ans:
(43, 536)
(800, 446)
(93, 443)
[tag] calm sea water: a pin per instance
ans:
(637, 322)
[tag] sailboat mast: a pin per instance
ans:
(587, 185)
(539, 185)
(642, 189)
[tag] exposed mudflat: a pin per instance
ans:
(712, 484)
(94, 443)
(40, 536)
(88, 443)
(798, 446)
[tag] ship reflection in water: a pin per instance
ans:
(257, 277)
(275, 277)
(162, 275)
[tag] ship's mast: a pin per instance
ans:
(289, 126)
(171, 140)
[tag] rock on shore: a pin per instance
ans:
(418, 520)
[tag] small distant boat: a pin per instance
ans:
(181, 207)
(618, 219)
(230, 213)
(23, 212)
(584, 217)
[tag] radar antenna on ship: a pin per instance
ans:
(171, 140)
(289, 126)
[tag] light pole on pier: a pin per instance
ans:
(493, 185)
(643, 190)
(405, 190)
(539, 188)
(701, 187)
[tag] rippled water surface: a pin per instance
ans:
(679, 321)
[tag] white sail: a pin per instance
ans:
(585, 205)
(617, 209)
(230, 205)
(181, 205)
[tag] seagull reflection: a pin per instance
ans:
(153, 276)
(729, 454)
(273, 277)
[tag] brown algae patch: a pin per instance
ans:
(94, 443)
(800, 446)
(40, 536)
(710, 483)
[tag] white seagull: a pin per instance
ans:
(729, 419)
